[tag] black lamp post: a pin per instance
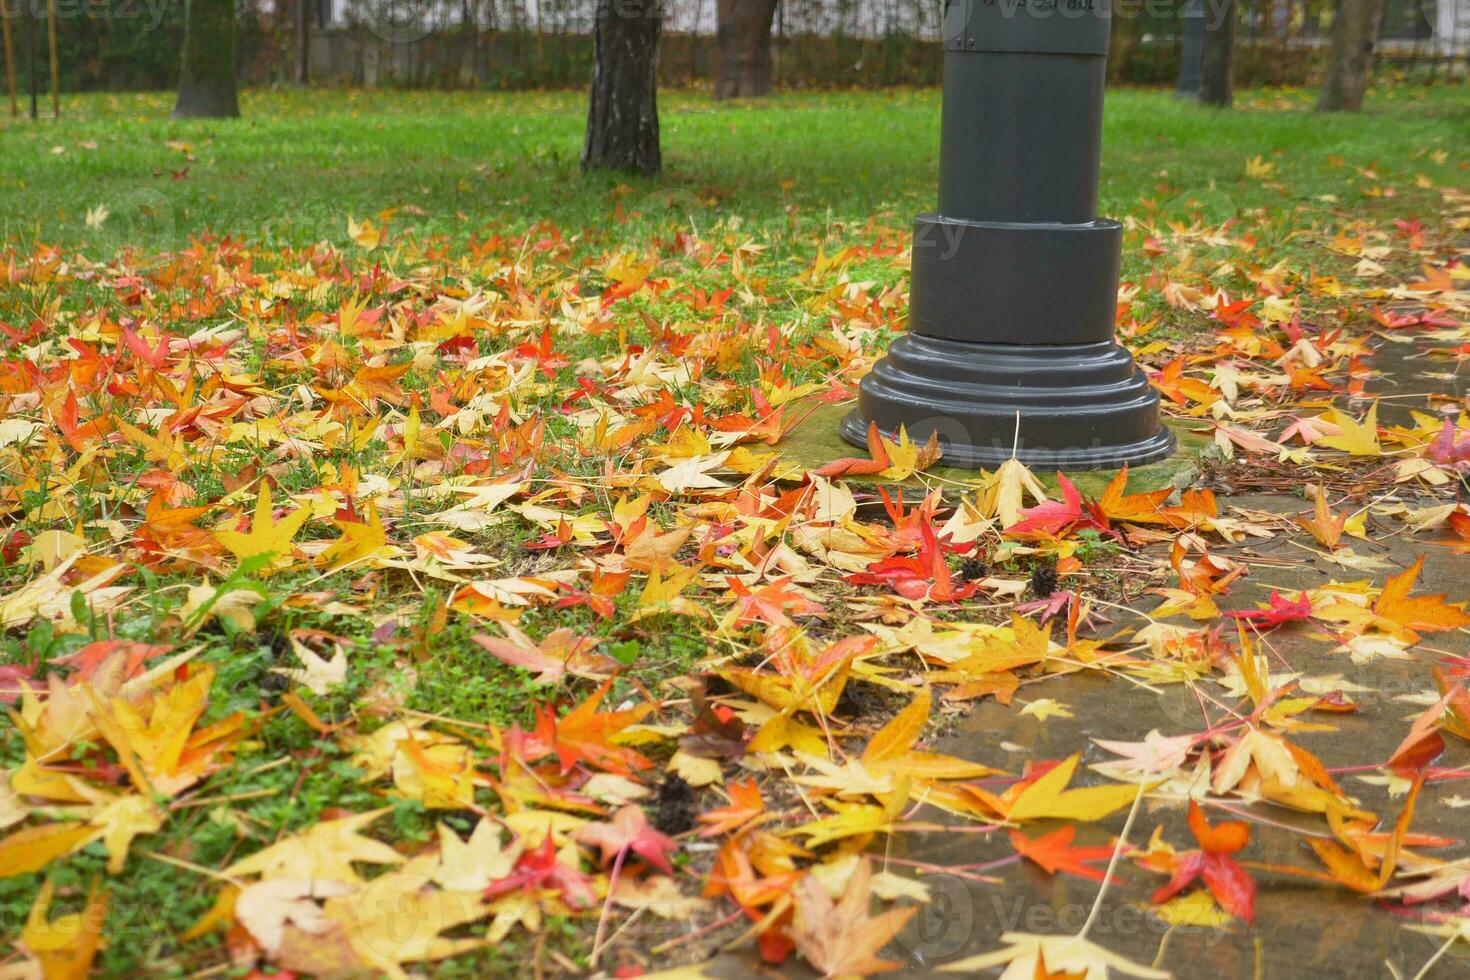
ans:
(1014, 291)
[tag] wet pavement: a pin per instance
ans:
(1304, 928)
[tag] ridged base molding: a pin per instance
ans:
(1064, 406)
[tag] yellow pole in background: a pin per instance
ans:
(9, 58)
(55, 68)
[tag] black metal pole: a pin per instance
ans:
(1014, 285)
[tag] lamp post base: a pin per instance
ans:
(1056, 406)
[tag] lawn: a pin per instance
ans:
(298, 164)
(391, 438)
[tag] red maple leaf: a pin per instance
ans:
(628, 831)
(552, 540)
(1459, 523)
(1054, 852)
(1226, 880)
(538, 868)
(770, 603)
(544, 353)
(1278, 612)
(1234, 314)
(1057, 517)
(1446, 451)
(1423, 744)
(769, 424)
(15, 680)
(155, 357)
(922, 576)
(599, 595)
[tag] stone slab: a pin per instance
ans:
(816, 442)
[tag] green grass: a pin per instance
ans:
(796, 173)
(297, 164)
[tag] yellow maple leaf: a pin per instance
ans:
(64, 947)
(441, 776)
(856, 819)
(898, 736)
(891, 749)
(372, 922)
(1258, 167)
(359, 541)
(1325, 526)
(663, 593)
(1043, 708)
(1049, 798)
(33, 848)
(1356, 438)
(906, 457)
(1028, 954)
(781, 730)
(1031, 644)
(155, 739)
(122, 819)
(323, 851)
(1004, 497)
(471, 865)
(171, 453)
(367, 235)
(266, 536)
(1197, 908)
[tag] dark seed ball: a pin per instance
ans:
(974, 569)
(1044, 580)
(673, 805)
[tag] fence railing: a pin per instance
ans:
(519, 44)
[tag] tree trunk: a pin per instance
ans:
(622, 113)
(744, 36)
(1355, 25)
(1217, 66)
(207, 80)
(303, 41)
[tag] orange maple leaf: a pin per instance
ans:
(584, 734)
(1054, 852)
(1423, 614)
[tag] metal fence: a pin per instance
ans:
(1284, 42)
(822, 43)
(515, 44)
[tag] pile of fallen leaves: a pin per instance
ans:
(569, 453)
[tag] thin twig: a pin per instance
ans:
(1112, 865)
